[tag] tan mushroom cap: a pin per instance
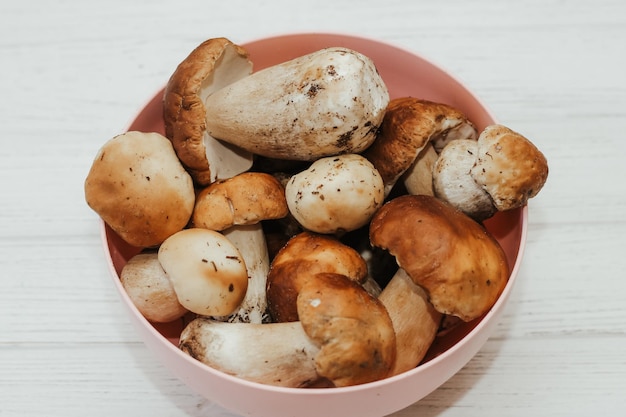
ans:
(509, 167)
(207, 271)
(150, 289)
(353, 330)
(304, 255)
(408, 126)
(212, 65)
(459, 264)
(244, 199)
(140, 189)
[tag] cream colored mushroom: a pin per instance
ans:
(150, 289)
(408, 126)
(325, 103)
(236, 206)
(212, 65)
(335, 194)
(207, 271)
(418, 179)
(139, 188)
(344, 337)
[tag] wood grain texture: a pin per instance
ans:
(73, 74)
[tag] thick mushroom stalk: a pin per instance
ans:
(453, 258)
(325, 103)
(408, 126)
(415, 320)
(236, 206)
(278, 354)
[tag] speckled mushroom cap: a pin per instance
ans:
(213, 64)
(509, 167)
(459, 264)
(304, 255)
(352, 328)
(244, 199)
(140, 189)
(408, 126)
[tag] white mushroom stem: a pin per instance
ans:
(278, 354)
(250, 241)
(414, 320)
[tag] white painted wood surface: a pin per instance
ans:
(74, 73)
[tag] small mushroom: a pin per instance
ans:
(304, 255)
(150, 289)
(408, 126)
(345, 337)
(207, 271)
(140, 189)
(325, 103)
(236, 206)
(453, 258)
(418, 179)
(244, 199)
(212, 65)
(415, 320)
(335, 194)
(453, 182)
(509, 167)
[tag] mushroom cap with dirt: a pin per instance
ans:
(213, 64)
(336, 194)
(140, 189)
(453, 258)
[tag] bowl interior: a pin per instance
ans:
(405, 74)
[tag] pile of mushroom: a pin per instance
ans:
(247, 207)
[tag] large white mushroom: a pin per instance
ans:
(325, 103)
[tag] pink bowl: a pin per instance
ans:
(405, 74)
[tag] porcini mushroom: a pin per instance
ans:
(453, 182)
(335, 194)
(150, 289)
(212, 65)
(236, 206)
(453, 258)
(345, 337)
(408, 126)
(140, 189)
(325, 103)
(207, 271)
(304, 255)
(509, 167)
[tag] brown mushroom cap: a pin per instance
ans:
(459, 264)
(244, 199)
(353, 329)
(408, 126)
(304, 255)
(140, 189)
(212, 65)
(509, 167)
